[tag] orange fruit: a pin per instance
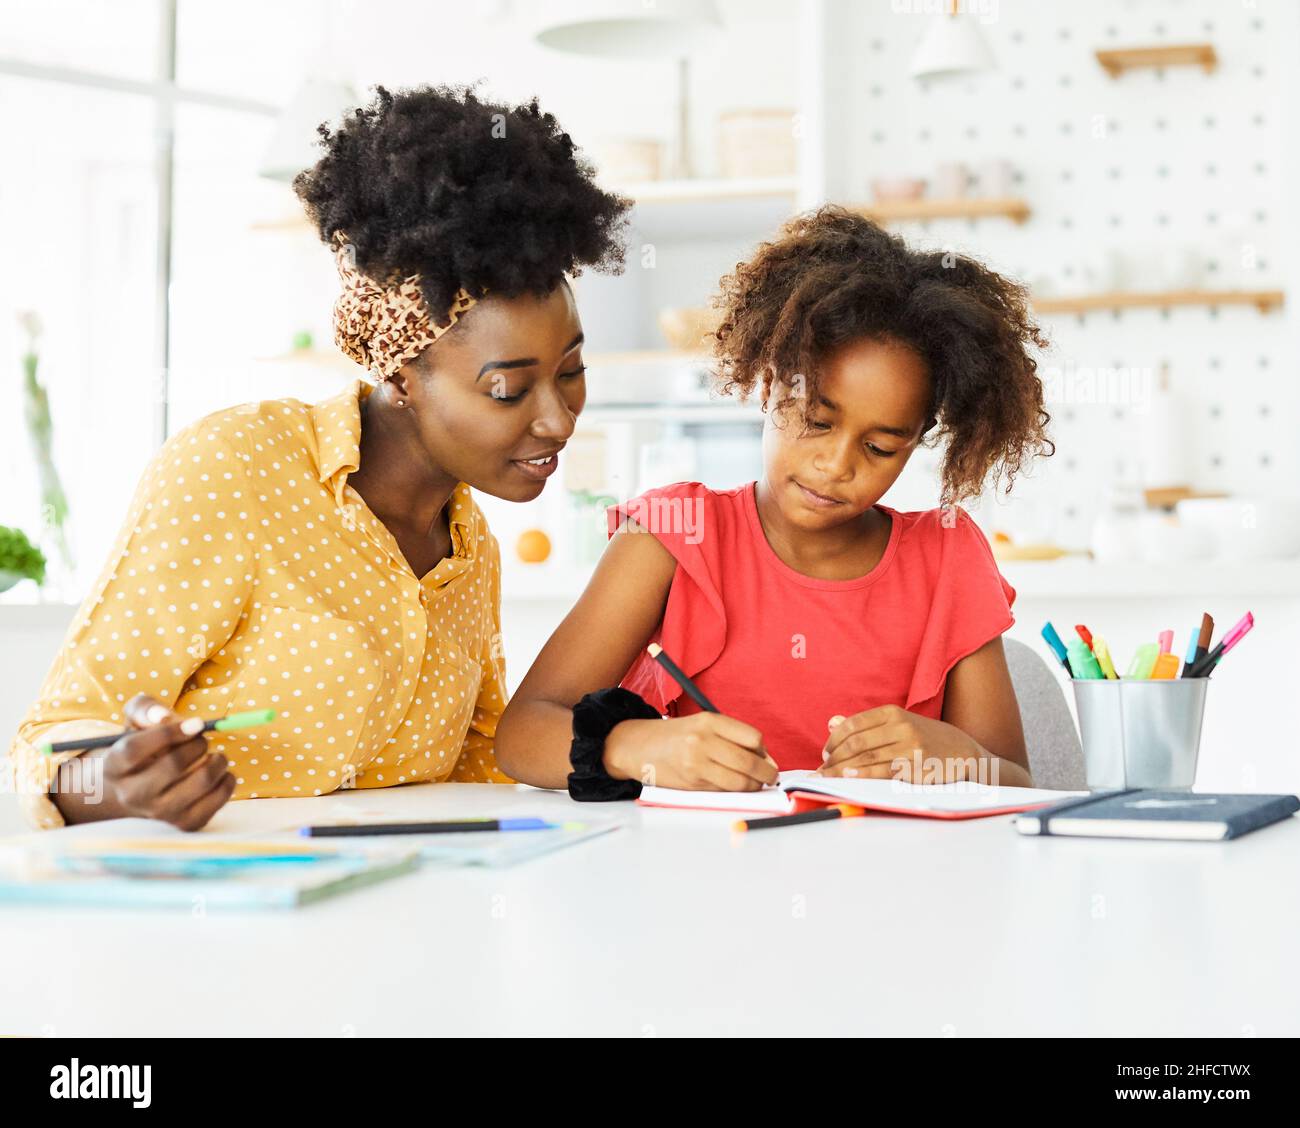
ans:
(533, 546)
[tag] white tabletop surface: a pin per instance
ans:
(673, 926)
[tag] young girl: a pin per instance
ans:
(830, 631)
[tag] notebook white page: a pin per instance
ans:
(941, 798)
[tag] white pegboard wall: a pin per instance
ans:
(1175, 170)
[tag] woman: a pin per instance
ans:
(328, 561)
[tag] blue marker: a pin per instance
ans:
(459, 826)
(1058, 647)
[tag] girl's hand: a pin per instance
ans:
(699, 752)
(164, 770)
(891, 743)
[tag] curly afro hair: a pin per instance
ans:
(464, 193)
(833, 277)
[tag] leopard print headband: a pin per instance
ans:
(382, 327)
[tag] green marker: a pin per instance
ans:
(232, 723)
(1082, 661)
(1144, 661)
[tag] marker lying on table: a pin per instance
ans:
(822, 814)
(457, 826)
(232, 723)
(1205, 666)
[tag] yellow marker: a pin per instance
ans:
(1102, 653)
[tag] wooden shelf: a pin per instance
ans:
(702, 190)
(886, 211)
(678, 210)
(705, 412)
(638, 357)
(1117, 61)
(1264, 300)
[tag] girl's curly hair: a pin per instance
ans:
(432, 181)
(833, 277)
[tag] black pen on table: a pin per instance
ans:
(821, 814)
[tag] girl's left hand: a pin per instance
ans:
(889, 742)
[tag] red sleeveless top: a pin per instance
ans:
(785, 652)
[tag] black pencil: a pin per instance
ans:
(692, 690)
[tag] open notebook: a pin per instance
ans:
(802, 790)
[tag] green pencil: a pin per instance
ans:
(223, 724)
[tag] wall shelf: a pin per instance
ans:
(1116, 61)
(654, 357)
(710, 209)
(888, 211)
(707, 412)
(1266, 301)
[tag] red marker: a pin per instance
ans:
(1084, 634)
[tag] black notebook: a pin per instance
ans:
(1159, 814)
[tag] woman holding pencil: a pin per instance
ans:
(326, 562)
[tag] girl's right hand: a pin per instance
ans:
(164, 769)
(698, 752)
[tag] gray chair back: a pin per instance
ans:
(1055, 755)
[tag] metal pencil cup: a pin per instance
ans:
(1140, 732)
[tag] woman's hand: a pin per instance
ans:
(698, 752)
(163, 770)
(891, 743)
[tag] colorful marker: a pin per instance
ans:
(1083, 662)
(232, 723)
(1143, 661)
(1206, 665)
(1084, 634)
(1058, 647)
(1166, 666)
(1166, 641)
(1102, 651)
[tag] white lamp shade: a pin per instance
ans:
(952, 45)
(627, 29)
(293, 146)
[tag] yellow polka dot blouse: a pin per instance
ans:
(250, 575)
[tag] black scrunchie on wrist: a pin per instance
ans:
(593, 718)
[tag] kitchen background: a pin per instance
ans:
(1128, 159)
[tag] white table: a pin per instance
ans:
(672, 926)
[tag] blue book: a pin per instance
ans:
(1159, 814)
(145, 874)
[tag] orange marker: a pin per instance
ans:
(1084, 634)
(1166, 666)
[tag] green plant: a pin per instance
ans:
(40, 428)
(19, 556)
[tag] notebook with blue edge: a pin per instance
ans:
(1141, 813)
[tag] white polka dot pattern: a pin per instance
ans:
(248, 574)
